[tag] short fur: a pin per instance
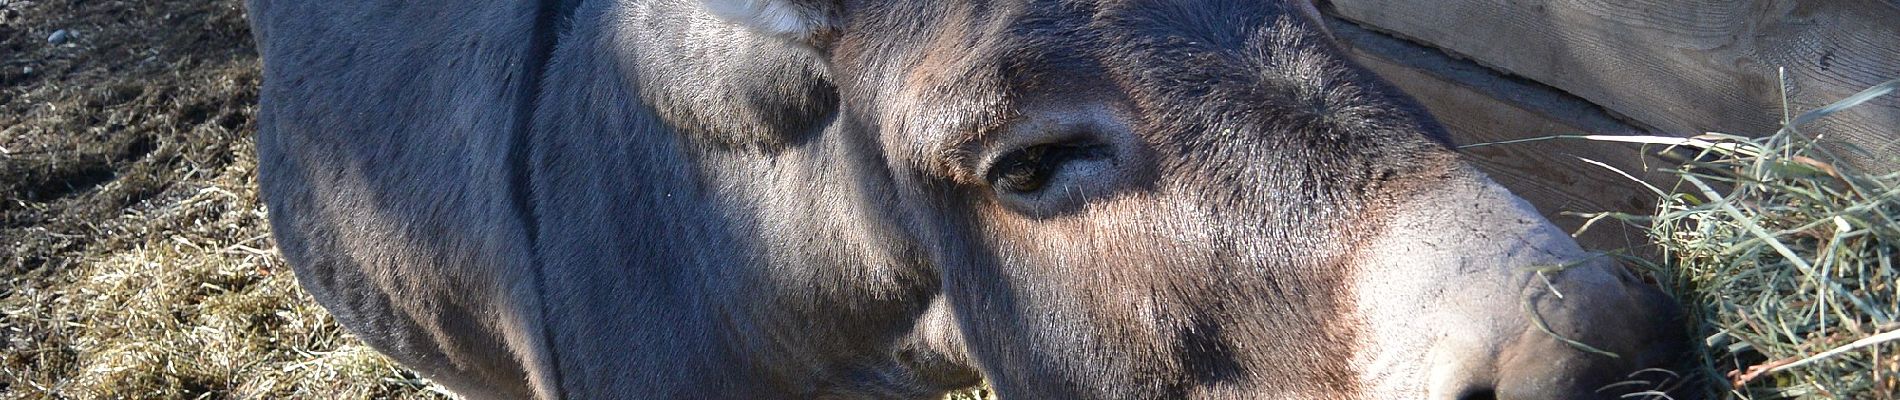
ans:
(796, 198)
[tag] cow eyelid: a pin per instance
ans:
(1030, 169)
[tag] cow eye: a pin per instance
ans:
(1032, 169)
(1023, 172)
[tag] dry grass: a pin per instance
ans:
(1785, 259)
(196, 306)
(134, 251)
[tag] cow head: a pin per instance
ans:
(1192, 199)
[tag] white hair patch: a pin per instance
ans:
(783, 18)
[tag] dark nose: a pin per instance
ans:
(1621, 343)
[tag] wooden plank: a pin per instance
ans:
(1681, 66)
(1478, 105)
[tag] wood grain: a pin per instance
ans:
(1681, 66)
(1479, 105)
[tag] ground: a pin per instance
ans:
(134, 251)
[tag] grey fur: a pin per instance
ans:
(635, 199)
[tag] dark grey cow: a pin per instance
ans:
(845, 199)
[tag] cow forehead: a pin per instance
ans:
(939, 83)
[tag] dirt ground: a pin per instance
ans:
(133, 247)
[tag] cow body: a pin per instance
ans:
(406, 192)
(768, 199)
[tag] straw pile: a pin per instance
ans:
(1785, 260)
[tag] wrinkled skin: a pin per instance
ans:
(793, 198)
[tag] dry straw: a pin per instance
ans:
(1784, 257)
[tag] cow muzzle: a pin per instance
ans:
(1467, 293)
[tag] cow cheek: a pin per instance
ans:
(1093, 286)
(1119, 245)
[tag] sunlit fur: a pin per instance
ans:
(789, 199)
(1199, 277)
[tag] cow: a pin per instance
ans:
(896, 199)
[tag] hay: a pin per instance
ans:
(196, 305)
(1785, 260)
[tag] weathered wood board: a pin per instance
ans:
(1478, 105)
(1681, 66)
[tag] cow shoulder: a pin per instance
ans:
(384, 134)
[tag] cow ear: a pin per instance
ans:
(802, 21)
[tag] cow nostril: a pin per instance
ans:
(1479, 394)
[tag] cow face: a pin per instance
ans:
(1203, 199)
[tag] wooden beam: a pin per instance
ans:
(1681, 66)
(1479, 105)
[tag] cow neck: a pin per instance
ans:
(550, 20)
